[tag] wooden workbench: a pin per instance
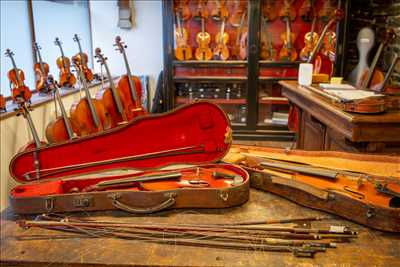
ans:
(324, 126)
(21, 248)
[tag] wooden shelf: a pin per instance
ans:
(269, 63)
(209, 63)
(220, 101)
(273, 100)
(210, 78)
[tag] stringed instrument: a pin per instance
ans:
(239, 49)
(89, 113)
(239, 8)
(365, 42)
(321, 62)
(113, 97)
(311, 37)
(82, 59)
(374, 76)
(203, 38)
(182, 7)
(2, 103)
(327, 11)
(306, 12)
(41, 72)
(219, 10)
(183, 51)
(288, 14)
(267, 50)
(62, 128)
(201, 10)
(221, 51)
(268, 10)
(130, 85)
(383, 88)
(19, 90)
(67, 78)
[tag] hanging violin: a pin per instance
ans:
(182, 51)
(239, 49)
(89, 113)
(64, 64)
(41, 72)
(310, 38)
(221, 51)
(113, 97)
(288, 51)
(239, 8)
(82, 59)
(219, 11)
(130, 85)
(203, 38)
(20, 92)
(267, 50)
(268, 10)
(62, 128)
(182, 7)
(201, 10)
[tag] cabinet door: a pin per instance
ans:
(313, 133)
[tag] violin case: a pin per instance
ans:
(350, 195)
(55, 178)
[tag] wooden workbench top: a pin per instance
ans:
(386, 117)
(27, 248)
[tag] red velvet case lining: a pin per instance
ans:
(200, 123)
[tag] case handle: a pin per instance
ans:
(164, 205)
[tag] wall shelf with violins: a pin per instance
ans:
(233, 53)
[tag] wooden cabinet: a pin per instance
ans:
(323, 126)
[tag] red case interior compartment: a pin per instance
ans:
(201, 127)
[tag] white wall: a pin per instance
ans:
(144, 40)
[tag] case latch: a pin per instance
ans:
(83, 201)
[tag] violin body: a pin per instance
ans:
(56, 131)
(203, 51)
(221, 50)
(310, 40)
(2, 103)
(287, 52)
(83, 64)
(107, 98)
(67, 78)
(377, 78)
(133, 108)
(81, 114)
(366, 106)
(41, 78)
(19, 89)
(183, 51)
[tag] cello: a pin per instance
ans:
(62, 128)
(20, 92)
(64, 64)
(42, 71)
(89, 114)
(113, 98)
(82, 59)
(130, 85)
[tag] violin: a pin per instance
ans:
(239, 49)
(221, 51)
(383, 88)
(267, 50)
(2, 104)
(42, 71)
(82, 59)
(203, 38)
(322, 63)
(240, 8)
(64, 64)
(89, 114)
(269, 10)
(201, 10)
(20, 92)
(374, 76)
(219, 11)
(288, 11)
(62, 128)
(182, 7)
(310, 40)
(306, 12)
(182, 51)
(327, 11)
(130, 85)
(113, 98)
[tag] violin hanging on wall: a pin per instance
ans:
(239, 8)
(182, 51)
(67, 78)
(221, 51)
(288, 51)
(19, 91)
(82, 59)
(311, 37)
(268, 11)
(182, 7)
(239, 49)
(203, 38)
(219, 11)
(41, 72)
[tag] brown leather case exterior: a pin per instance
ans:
(369, 214)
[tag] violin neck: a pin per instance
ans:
(96, 119)
(288, 34)
(389, 72)
(62, 55)
(179, 24)
(116, 97)
(40, 61)
(202, 26)
(67, 122)
(240, 28)
(221, 36)
(132, 86)
(28, 118)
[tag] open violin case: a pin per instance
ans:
(150, 164)
(360, 187)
